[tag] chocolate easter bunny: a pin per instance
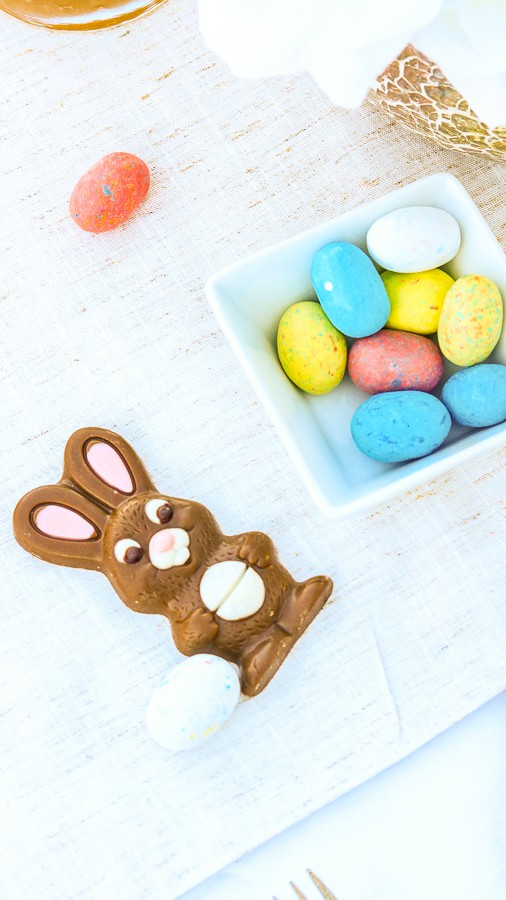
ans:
(228, 596)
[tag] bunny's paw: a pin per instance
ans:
(256, 549)
(196, 632)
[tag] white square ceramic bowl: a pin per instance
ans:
(248, 300)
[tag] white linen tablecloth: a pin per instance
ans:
(114, 330)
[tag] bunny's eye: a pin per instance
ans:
(159, 511)
(128, 551)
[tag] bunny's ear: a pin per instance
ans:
(104, 466)
(61, 526)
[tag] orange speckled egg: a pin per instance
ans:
(471, 320)
(108, 193)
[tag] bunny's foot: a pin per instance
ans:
(262, 658)
(302, 604)
(264, 654)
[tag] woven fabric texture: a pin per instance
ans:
(114, 330)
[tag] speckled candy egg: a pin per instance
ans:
(400, 425)
(108, 193)
(414, 239)
(193, 702)
(312, 352)
(471, 320)
(476, 396)
(349, 289)
(395, 361)
(416, 299)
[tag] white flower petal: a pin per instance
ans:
(445, 42)
(484, 24)
(359, 24)
(347, 77)
(260, 37)
(478, 79)
(346, 44)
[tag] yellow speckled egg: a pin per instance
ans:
(416, 299)
(471, 320)
(312, 352)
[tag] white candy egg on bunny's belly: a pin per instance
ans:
(193, 702)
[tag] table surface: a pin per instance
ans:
(114, 330)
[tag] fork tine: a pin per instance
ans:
(300, 895)
(324, 891)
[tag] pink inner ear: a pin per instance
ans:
(107, 463)
(61, 522)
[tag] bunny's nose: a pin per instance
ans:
(169, 547)
(162, 542)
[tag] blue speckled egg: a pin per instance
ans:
(349, 289)
(477, 396)
(400, 425)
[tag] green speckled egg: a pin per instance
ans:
(471, 320)
(312, 352)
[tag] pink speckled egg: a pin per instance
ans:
(395, 361)
(108, 193)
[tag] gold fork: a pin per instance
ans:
(324, 891)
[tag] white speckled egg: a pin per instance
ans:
(193, 702)
(414, 239)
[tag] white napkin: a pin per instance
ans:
(433, 827)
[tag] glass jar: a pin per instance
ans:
(77, 14)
